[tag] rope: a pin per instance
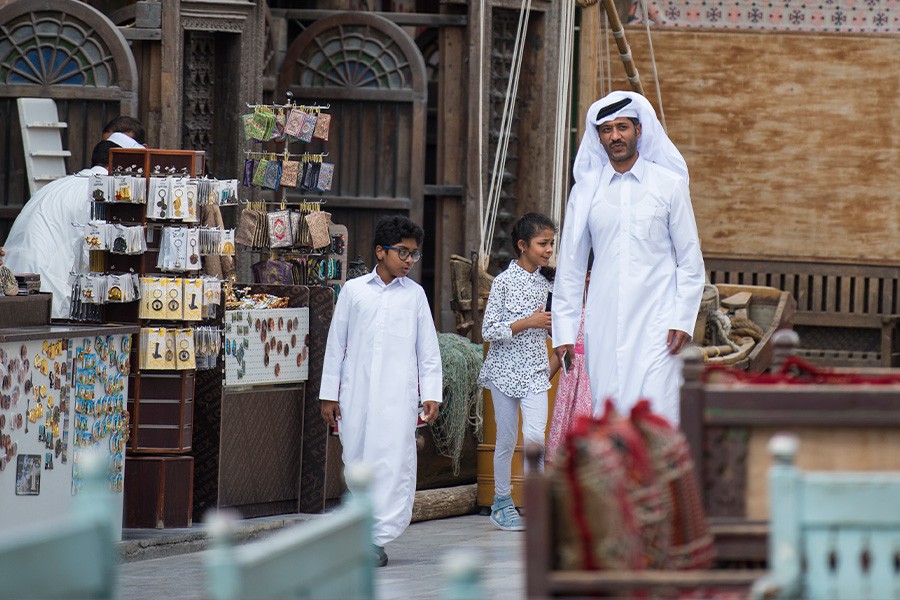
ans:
(489, 215)
(564, 91)
(662, 113)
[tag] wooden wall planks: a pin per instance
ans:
(792, 139)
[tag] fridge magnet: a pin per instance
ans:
(28, 475)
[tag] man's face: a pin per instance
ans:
(619, 138)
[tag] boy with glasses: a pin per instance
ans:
(381, 357)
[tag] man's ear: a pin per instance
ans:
(637, 130)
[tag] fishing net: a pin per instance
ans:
(462, 407)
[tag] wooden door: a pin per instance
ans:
(373, 76)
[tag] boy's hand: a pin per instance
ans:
(430, 408)
(331, 412)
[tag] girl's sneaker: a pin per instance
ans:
(505, 516)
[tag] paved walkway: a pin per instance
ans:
(415, 569)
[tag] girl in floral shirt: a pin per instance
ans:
(516, 369)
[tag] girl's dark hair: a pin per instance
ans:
(528, 227)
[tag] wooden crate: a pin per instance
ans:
(161, 404)
(158, 491)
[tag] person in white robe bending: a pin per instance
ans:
(630, 204)
(43, 239)
(381, 357)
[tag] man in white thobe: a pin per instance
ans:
(630, 204)
(382, 355)
(44, 238)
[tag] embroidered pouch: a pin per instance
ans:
(249, 169)
(323, 124)
(309, 126)
(318, 228)
(272, 175)
(280, 234)
(290, 170)
(326, 175)
(259, 174)
(294, 122)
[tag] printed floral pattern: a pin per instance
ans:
(844, 16)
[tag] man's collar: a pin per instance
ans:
(637, 170)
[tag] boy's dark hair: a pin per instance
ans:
(100, 154)
(392, 229)
(528, 227)
(129, 126)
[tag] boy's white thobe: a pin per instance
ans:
(382, 353)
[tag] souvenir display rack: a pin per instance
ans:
(158, 488)
(241, 428)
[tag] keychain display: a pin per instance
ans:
(180, 299)
(114, 237)
(164, 348)
(207, 347)
(266, 346)
(103, 288)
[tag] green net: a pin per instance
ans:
(462, 407)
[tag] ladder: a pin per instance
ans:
(45, 159)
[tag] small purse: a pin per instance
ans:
(290, 170)
(323, 124)
(247, 226)
(280, 234)
(317, 222)
(273, 272)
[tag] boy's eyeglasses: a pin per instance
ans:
(404, 253)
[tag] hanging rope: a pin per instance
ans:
(563, 95)
(662, 113)
(489, 213)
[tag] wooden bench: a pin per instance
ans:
(833, 535)
(847, 314)
(68, 557)
(728, 425)
(328, 557)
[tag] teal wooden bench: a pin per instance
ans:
(70, 557)
(330, 556)
(833, 535)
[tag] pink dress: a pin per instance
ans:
(573, 396)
